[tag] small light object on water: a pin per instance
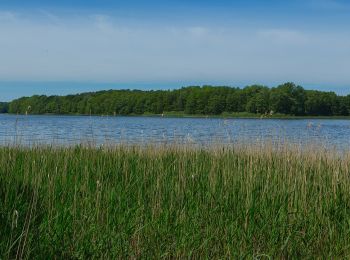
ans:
(28, 110)
(189, 138)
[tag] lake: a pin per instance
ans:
(67, 130)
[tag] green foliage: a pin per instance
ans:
(287, 99)
(324, 103)
(171, 202)
(4, 107)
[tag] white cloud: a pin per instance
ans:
(6, 16)
(284, 36)
(329, 5)
(198, 31)
(97, 48)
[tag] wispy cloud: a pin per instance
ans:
(7, 16)
(284, 36)
(50, 17)
(329, 5)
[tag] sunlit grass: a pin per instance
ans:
(173, 201)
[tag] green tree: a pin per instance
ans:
(286, 98)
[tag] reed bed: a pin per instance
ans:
(173, 202)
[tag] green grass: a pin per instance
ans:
(173, 202)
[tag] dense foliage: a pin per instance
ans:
(4, 107)
(173, 203)
(286, 99)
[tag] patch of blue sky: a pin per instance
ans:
(61, 47)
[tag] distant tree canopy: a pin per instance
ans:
(4, 107)
(286, 99)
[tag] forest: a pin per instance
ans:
(3, 107)
(287, 99)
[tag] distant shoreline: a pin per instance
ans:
(180, 115)
(257, 101)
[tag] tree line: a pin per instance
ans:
(288, 99)
(4, 106)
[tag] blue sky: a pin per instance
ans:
(60, 47)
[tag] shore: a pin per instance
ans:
(242, 115)
(245, 116)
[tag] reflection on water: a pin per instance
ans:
(67, 130)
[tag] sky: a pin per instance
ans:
(64, 47)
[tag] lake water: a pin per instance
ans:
(67, 130)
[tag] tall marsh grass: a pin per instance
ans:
(173, 202)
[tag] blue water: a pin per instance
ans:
(67, 130)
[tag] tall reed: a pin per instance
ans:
(173, 202)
